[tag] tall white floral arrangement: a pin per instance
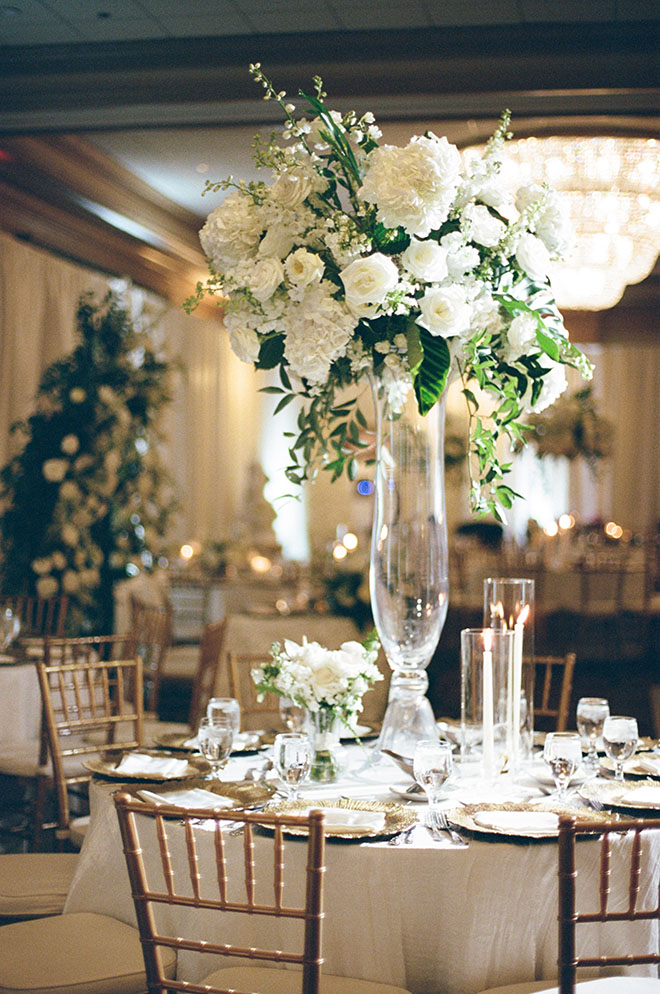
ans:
(362, 258)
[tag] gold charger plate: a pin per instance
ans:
(243, 793)
(612, 793)
(397, 817)
(176, 742)
(631, 768)
(197, 766)
(464, 817)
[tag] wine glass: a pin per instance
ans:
(432, 766)
(563, 754)
(215, 739)
(591, 715)
(10, 626)
(294, 716)
(292, 758)
(221, 708)
(620, 737)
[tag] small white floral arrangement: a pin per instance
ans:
(405, 262)
(316, 678)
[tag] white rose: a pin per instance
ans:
(244, 343)
(533, 257)
(413, 187)
(77, 395)
(482, 227)
(292, 187)
(303, 267)
(266, 276)
(367, 282)
(47, 586)
(444, 311)
(54, 470)
(232, 231)
(70, 444)
(70, 581)
(521, 334)
(278, 242)
(425, 260)
(554, 384)
(70, 534)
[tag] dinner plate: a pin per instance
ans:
(635, 795)
(242, 793)
(196, 766)
(396, 817)
(517, 820)
(245, 742)
(634, 767)
(541, 772)
(415, 797)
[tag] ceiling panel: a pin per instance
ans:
(455, 12)
(567, 11)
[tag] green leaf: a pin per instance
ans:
(271, 390)
(548, 345)
(283, 403)
(432, 374)
(271, 352)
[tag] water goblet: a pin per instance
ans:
(292, 759)
(220, 708)
(215, 739)
(433, 762)
(10, 626)
(620, 736)
(563, 754)
(295, 717)
(591, 715)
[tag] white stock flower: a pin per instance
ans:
(552, 225)
(70, 444)
(425, 260)
(303, 267)
(521, 335)
(445, 311)
(413, 187)
(367, 282)
(232, 231)
(244, 343)
(47, 586)
(481, 227)
(533, 257)
(266, 276)
(54, 470)
(554, 384)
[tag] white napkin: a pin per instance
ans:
(350, 820)
(138, 762)
(196, 797)
(642, 797)
(648, 764)
(518, 822)
(192, 743)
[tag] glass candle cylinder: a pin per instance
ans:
(485, 665)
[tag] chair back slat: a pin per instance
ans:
(209, 659)
(150, 638)
(554, 683)
(39, 616)
(628, 861)
(181, 884)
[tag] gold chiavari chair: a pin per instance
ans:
(254, 713)
(150, 637)
(552, 690)
(174, 879)
(210, 651)
(608, 907)
(91, 701)
(39, 616)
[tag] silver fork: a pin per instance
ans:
(405, 837)
(438, 822)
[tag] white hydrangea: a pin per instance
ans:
(318, 331)
(232, 231)
(413, 187)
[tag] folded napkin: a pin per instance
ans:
(642, 797)
(648, 765)
(518, 822)
(138, 762)
(196, 797)
(345, 821)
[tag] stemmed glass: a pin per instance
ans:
(620, 736)
(432, 766)
(292, 759)
(294, 716)
(10, 626)
(222, 708)
(591, 715)
(563, 754)
(215, 739)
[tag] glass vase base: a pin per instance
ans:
(407, 722)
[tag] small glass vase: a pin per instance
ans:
(326, 759)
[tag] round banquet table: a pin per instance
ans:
(425, 916)
(20, 701)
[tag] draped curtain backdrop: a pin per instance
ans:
(212, 427)
(216, 421)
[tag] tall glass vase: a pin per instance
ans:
(409, 569)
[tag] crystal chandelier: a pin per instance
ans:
(611, 189)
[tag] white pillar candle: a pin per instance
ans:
(487, 705)
(518, 636)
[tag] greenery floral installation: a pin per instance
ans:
(362, 258)
(573, 428)
(85, 501)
